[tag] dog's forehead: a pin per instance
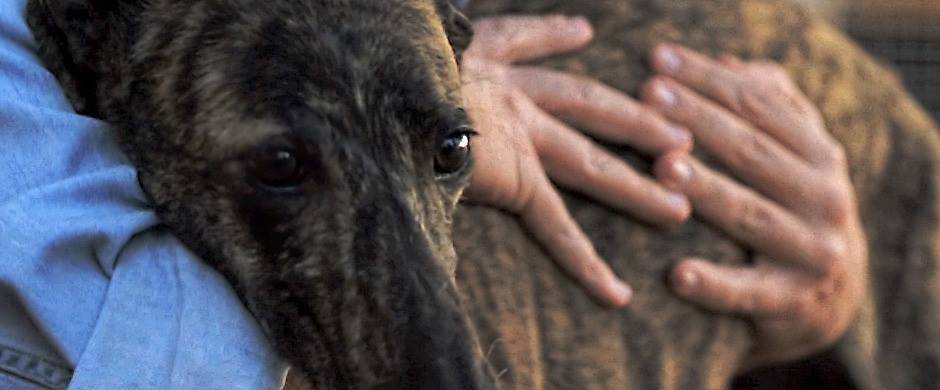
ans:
(247, 67)
(396, 36)
(436, 39)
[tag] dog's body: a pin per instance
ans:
(343, 321)
(544, 333)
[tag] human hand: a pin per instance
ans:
(796, 207)
(523, 147)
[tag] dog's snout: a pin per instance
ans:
(440, 352)
(435, 345)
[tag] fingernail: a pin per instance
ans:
(676, 199)
(669, 60)
(578, 25)
(624, 292)
(688, 281)
(680, 135)
(680, 171)
(664, 95)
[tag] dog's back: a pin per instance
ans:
(542, 331)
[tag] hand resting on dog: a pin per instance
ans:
(794, 203)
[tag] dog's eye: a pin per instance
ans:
(453, 153)
(280, 168)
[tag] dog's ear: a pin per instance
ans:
(71, 35)
(458, 28)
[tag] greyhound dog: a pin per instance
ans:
(314, 152)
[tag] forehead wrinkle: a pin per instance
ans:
(433, 43)
(373, 99)
(168, 48)
(233, 137)
(422, 45)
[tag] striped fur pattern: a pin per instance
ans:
(353, 280)
(351, 271)
(542, 332)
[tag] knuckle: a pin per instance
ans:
(818, 329)
(830, 254)
(642, 113)
(747, 303)
(595, 164)
(766, 95)
(838, 155)
(506, 30)
(775, 70)
(769, 71)
(750, 152)
(779, 76)
(496, 26)
(522, 199)
(802, 307)
(828, 288)
(517, 103)
(586, 92)
(753, 218)
(837, 205)
(474, 65)
(551, 80)
(804, 108)
(488, 28)
(705, 187)
(834, 156)
(587, 166)
(736, 97)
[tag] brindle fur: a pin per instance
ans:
(176, 108)
(351, 273)
(542, 332)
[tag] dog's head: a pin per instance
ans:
(313, 151)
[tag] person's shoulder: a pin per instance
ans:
(44, 140)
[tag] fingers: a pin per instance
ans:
(763, 291)
(547, 217)
(751, 155)
(732, 62)
(520, 38)
(603, 111)
(765, 226)
(576, 162)
(699, 73)
(762, 93)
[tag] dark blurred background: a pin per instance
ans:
(904, 33)
(907, 34)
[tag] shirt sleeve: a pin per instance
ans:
(112, 295)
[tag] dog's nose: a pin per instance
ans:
(458, 371)
(438, 348)
(441, 351)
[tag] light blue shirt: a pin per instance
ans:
(89, 280)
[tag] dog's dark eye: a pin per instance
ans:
(278, 168)
(453, 153)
